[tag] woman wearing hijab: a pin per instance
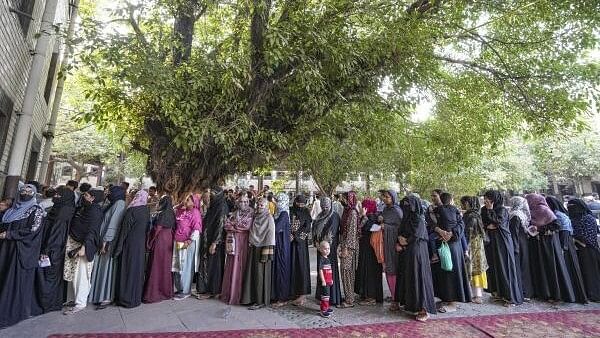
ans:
(103, 272)
(504, 281)
(282, 273)
(187, 231)
(565, 234)
(212, 254)
(475, 234)
(553, 282)
(585, 232)
(130, 252)
(519, 229)
(452, 286)
(391, 216)
(159, 281)
(49, 284)
(349, 247)
(326, 228)
(300, 230)
(82, 245)
(368, 282)
(417, 291)
(20, 240)
(258, 274)
(237, 227)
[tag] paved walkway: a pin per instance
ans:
(206, 315)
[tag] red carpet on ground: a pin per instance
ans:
(555, 324)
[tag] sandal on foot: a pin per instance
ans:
(422, 317)
(346, 305)
(256, 306)
(369, 302)
(477, 300)
(394, 307)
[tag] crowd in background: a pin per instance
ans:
(65, 247)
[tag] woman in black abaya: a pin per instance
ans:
(130, 251)
(552, 275)
(368, 282)
(417, 291)
(585, 232)
(211, 255)
(326, 228)
(519, 229)
(49, 284)
(452, 286)
(20, 243)
(503, 283)
(301, 229)
(565, 234)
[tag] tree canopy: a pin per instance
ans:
(211, 88)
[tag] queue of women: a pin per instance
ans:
(255, 251)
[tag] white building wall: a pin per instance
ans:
(15, 62)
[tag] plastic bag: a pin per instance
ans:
(445, 257)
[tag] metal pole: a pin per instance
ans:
(23, 128)
(60, 85)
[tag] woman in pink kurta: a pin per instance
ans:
(236, 246)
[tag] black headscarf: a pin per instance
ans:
(496, 197)
(116, 193)
(300, 199)
(413, 222)
(86, 224)
(555, 205)
(499, 216)
(577, 208)
(166, 215)
(64, 205)
(301, 213)
(217, 209)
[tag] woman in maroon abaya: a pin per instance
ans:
(159, 281)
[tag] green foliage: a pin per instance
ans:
(79, 142)
(271, 80)
(574, 157)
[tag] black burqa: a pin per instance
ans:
(301, 229)
(330, 233)
(569, 249)
(49, 284)
(414, 286)
(212, 266)
(502, 275)
(452, 286)
(130, 251)
(19, 256)
(369, 278)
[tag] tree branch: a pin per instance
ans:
(134, 24)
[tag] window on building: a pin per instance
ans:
(50, 77)
(25, 8)
(6, 111)
(36, 145)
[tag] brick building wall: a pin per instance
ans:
(16, 44)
